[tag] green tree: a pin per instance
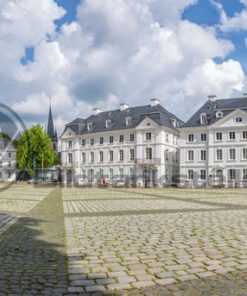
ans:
(33, 149)
(4, 136)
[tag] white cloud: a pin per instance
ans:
(236, 23)
(117, 51)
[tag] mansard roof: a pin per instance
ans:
(118, 119)
(210, 108)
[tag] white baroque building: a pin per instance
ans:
(7, 161)
(213, 145)
(138, 145)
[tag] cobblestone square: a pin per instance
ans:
(81, 241)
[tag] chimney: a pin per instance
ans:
(154, 102)
(96, 111)
(212, 98)
(124, 107)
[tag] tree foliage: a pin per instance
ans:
(5, 136)
(33, 148)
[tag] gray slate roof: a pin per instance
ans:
(227, 106)
(118, 118)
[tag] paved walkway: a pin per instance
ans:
(156, 242)
(123, 242)
(32, 260)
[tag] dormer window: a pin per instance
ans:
(204, 118)
(219, 114)
(108, 123)
(89, 126)
(128, 120)
(174, 123)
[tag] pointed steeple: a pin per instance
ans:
(50, 126)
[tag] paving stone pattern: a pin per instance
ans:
(172, 242)
(123, 242)
(32, 251)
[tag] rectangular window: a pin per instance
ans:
(232, 154)
(132, 137)
(218, 137)
(128, 120)
(92, 156)
(70, 158)
(149, 153)
(9, 154)
(219, 154)
(167, 137)
(111, 174)
(203, 174)
(232, 174)
(121, 138)
(244, 153)
(111, 155)
(245, 174)
(101, 173)
(101, 156)
(132, 154)
(121, 155)
(83, 157)
(101, 140)
(203, 137)
(121, 173)
(148, 136)
(191, 138)
(232, 136)
(92, 141)
(70, 144)
(111, 139)
(83, 142)
(173, 156)
(244, 135)
(190, 155)
(9, 164)
(203, 155)
(167, 155)
(190, 174)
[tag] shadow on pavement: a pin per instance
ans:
(32, 257)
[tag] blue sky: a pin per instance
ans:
(205, 14)
(100, 53)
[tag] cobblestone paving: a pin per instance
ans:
(72, 207)
(19, 199)
(200, 249)
(123, 242)
(32, 260)
(6, 221)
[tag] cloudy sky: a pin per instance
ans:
(99, 53)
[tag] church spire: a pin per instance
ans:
(50, 126)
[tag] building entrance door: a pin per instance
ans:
(219, 177)
(149, 177)
(69, 177)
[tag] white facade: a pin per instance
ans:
(216, 154)
(144, 155)
(7, 162)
